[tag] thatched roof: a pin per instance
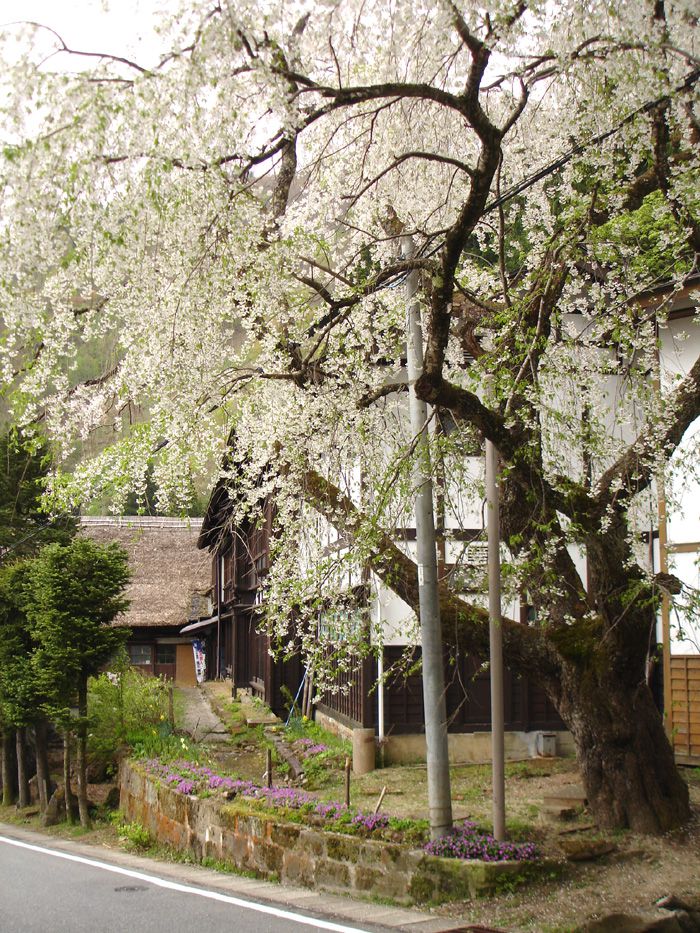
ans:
(167, 570)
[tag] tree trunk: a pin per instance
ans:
(42, 762)
(22, 778)
(626, 761)
(9, 768)
(70, 817)
(82, 755)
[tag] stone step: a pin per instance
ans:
(571, 795)
(261, 719)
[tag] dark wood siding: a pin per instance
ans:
(526, 706)
(354, 699)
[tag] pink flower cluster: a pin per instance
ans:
(186, 777)
(308, 747)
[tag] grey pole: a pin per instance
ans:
(495, 644)
(439, 796)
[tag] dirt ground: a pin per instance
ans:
(636, 872)
(630, 879)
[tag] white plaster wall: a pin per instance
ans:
(679, 350)
(465, 511)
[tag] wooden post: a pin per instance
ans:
(347, 782)
(379, 802)
(663, 567)
(268, 767)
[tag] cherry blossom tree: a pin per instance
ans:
(216, 240)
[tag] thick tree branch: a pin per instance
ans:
(464, 625)
(389, 388)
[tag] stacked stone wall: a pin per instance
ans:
(301, 855)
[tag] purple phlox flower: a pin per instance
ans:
(370, 821)
(466, 842)
(284, 796)
(332, 811)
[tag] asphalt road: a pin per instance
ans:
(47, 891)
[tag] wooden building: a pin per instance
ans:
(240, 561)
(168, 589)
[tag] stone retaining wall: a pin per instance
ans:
(296, 854)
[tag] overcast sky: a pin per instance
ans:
(117, 27)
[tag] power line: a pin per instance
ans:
(563, 160)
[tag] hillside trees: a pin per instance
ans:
(233, 218)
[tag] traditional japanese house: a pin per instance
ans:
(168, 590)
(239, 562)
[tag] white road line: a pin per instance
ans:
(187, 889)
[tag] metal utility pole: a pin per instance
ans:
(495, 643)
(439, 796)
(663, 562)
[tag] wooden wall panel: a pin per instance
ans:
(685, 708)
(526, 706)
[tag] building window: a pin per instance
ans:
(165, 654)
(342, 624)
(139, 654)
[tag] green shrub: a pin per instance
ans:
(413, 832)
(126, 708)
(135, 836)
